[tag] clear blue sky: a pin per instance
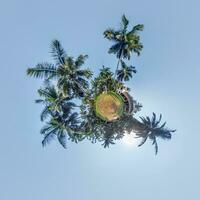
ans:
(167, 82)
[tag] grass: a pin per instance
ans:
(109, 106)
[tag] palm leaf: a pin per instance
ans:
(48, 138)
(143, 141)
(138, 27)
(39, 101)
(42, 70)
(73, 119)
(44, 114)
(58, 52)
(62, 139)
(85, 73)
(115, 48)
(125, 22)
(155, 145)
(47, 93)
(80, 60)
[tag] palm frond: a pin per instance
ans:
(80, 60)
(125, 22)
(155, 145)
(68, 104)
(48, 138)
(85, 73)
(66, 109)
(138, 49)
(138, 27)
(48, 92)
(42, 70)
(73, 119)
(45, 129)
(62, 139)
(144, 139)
(39, 101)
(115, 49)
(45, 113)
(58, 52)
(108, 141)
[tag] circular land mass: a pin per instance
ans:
(109, 106)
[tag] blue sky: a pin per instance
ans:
(167, 82)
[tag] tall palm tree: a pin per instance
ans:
(125, 42)
(70, 77)
(151, 129)
(126, 72)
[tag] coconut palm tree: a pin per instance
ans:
(126, 72)
(62, 127)
(104, 81)
(54, 102)
(125, 42)
(62, 121)
(151, 129)
(70, 77)
(146, 129)
(50, 99)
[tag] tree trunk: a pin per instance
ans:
(117, 67)
(136, 126)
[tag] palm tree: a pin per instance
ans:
(126, 72)
(151, 129)
(54, 102)
(58, 109)
(70, 77)
(125, 42)
(61, 127)
(104, 81)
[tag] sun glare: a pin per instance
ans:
(129, 139)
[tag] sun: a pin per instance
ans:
(129, 139)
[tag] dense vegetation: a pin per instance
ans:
(67, 82)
